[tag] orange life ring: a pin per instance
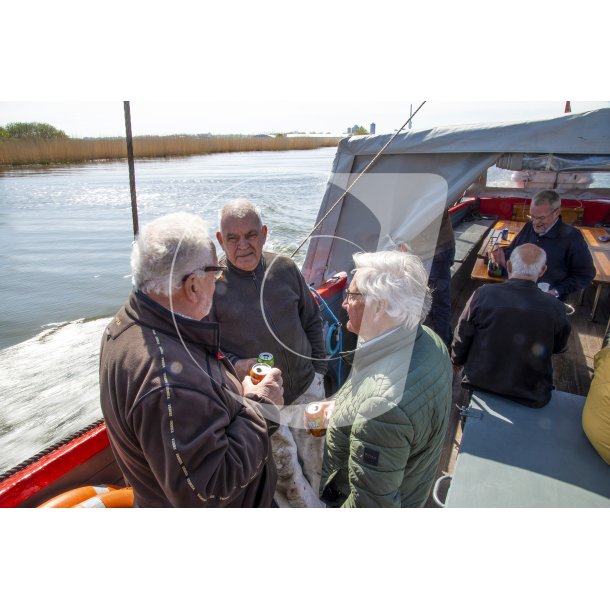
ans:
(75, 496)
(117, 498)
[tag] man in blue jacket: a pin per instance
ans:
(569, 263)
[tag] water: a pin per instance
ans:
(66, 234)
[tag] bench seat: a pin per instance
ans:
(516, 456)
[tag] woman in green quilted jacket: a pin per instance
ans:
(387, 423)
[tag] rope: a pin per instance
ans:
(349, 188)
(41, 454)
(335, 327)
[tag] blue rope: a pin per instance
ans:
(334, 328)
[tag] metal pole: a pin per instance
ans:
(132, 176)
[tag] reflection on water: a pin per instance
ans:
(66, 234)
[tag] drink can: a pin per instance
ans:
(266, 358)
(504, 234)
(314, 416)
(258, 371)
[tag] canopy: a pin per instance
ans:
(402, 197)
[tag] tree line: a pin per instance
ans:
(23, 131)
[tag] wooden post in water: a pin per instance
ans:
(132, 176)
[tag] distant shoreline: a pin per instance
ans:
(73, 150)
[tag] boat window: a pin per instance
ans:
(538, 180)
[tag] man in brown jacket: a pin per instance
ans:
(184, 430)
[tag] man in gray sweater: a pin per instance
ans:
(264, 305)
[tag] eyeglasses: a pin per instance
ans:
(541, 218)
(350, 296)
(218, 271)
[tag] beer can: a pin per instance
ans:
(504, 234)
(258, 371)
(314, 416)
(266, 358)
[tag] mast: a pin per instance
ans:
(132, 177)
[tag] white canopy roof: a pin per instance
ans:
(401, 198)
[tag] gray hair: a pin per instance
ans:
(549, 195)
(167, 249)
(399, 279)
(528, 269)
(238, 208)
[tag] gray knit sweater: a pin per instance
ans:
(288, 324)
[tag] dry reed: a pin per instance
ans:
(22, 152)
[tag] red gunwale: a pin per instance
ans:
(331, 287)
(29, 481)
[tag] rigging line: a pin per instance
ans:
(349, 188)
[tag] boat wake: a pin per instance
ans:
(50, 388)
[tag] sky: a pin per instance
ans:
(244, 67)
(106, 119)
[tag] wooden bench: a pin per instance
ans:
(515, 456)
(569, 215)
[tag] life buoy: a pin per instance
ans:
(69, 498)
(117, 498)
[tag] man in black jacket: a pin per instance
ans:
(569, 263)
(508, 332)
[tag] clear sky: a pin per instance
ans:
(252, 67)
(94, 119)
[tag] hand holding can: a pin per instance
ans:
(317, 415)
(269, 386)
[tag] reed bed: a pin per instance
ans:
(25, 152)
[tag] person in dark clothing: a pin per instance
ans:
(263, 304)
(439, 281)
(569, 263)
(508, 332)
(185, 432)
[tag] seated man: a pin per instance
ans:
(389, 420)
(569, 263)
(185, 432)
(596, 414)
(508, 332)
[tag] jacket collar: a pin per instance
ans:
(371, 352)
(141, 309)
(554, 231)
(524, 283)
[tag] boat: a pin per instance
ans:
(386, 190)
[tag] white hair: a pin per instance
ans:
(167, 249)
(239, 208)
(520, 267)
(397, 278)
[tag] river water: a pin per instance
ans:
(66, 233)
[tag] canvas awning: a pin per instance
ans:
(401, 198)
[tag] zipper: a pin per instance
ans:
(287, 376)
